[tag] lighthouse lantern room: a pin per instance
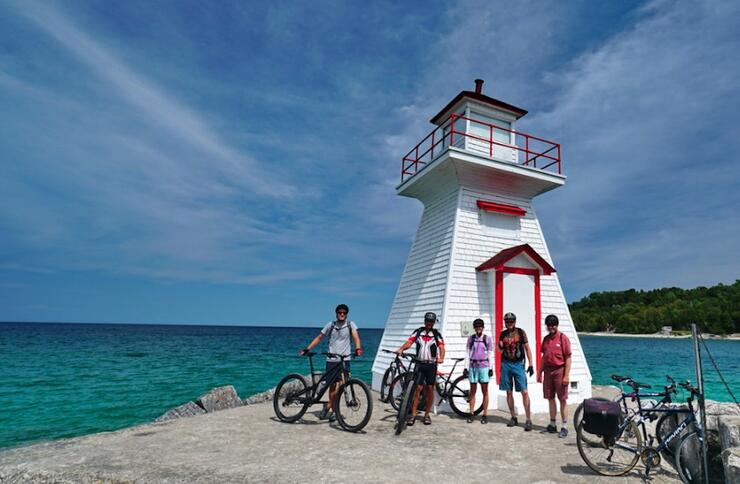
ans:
(479, 251)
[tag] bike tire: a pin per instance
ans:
(291, 393)
(403, 413)
(599, 456)
(395, 391)
(689, 463)
(354, 400)
(386, 383)
(459, 398)
(667, 423)
(578, 416)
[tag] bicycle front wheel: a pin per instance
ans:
(689, 461)
(291, 398)
(460, 398)
(395, 391)
(386, 382)
(353, 405)
(611, 456)
(403, 412)
(667, 423)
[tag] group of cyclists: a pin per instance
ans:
(516, 363)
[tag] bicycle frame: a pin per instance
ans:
(316, 391)
(443, 385)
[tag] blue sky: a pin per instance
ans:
(235, 162)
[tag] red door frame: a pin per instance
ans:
(499, 313)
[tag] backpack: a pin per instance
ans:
(484, 339)
(433, 348)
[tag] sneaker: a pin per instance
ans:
(331, 417)
(551, 429)
(470, 419)
(324, 414)
(528, 426)
(484, 420)
(563, 432)
(513, 422)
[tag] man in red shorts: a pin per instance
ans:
(556, 369)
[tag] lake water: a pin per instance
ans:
(65, 380)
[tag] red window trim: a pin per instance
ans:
(501, 208)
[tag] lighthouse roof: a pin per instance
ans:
(497, 261)
(481, 98)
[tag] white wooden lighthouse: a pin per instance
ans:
(479, 250)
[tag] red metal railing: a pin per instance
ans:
(455, 132)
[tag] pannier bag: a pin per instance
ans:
(601, 417)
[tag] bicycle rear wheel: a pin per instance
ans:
(578, 417)
(353, 405)
(395, 391)
(291, 398)
(611, 456)
(403, 413)
(689, 462)
(460, 398)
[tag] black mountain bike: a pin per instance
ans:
(397, 367)
(456, 392)
(617, 454)
(353, 405)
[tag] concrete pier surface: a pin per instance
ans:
(248, 444)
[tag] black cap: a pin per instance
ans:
(478, 322)
(551, 320)
(430, 316)
(342, 307)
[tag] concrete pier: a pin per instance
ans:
(247, 444)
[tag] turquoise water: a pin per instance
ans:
(65, 380)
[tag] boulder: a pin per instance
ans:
(729, 431)
(189, 409)
(731, 461)
(219, 399)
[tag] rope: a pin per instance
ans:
(716, 367)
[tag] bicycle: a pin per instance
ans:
(396, 368)
(664, 424)
(457, 393)
(617, 454)
(353, 405)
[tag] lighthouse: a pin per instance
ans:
(479, 250)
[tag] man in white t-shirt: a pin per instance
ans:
(340, 332)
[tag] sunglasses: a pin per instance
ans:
(341, 312)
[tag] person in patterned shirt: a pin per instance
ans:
(514, 346)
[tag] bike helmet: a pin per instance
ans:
(430, 316)
(509, 317)
(551, 320)
(478, 323)
(342, 307)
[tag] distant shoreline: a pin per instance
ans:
(732, 337)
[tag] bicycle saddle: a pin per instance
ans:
(457, 359)
(637, 385)
(620, 378)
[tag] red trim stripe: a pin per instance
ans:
(501, 208)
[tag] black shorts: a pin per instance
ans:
(330, 365)
(427, 373)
